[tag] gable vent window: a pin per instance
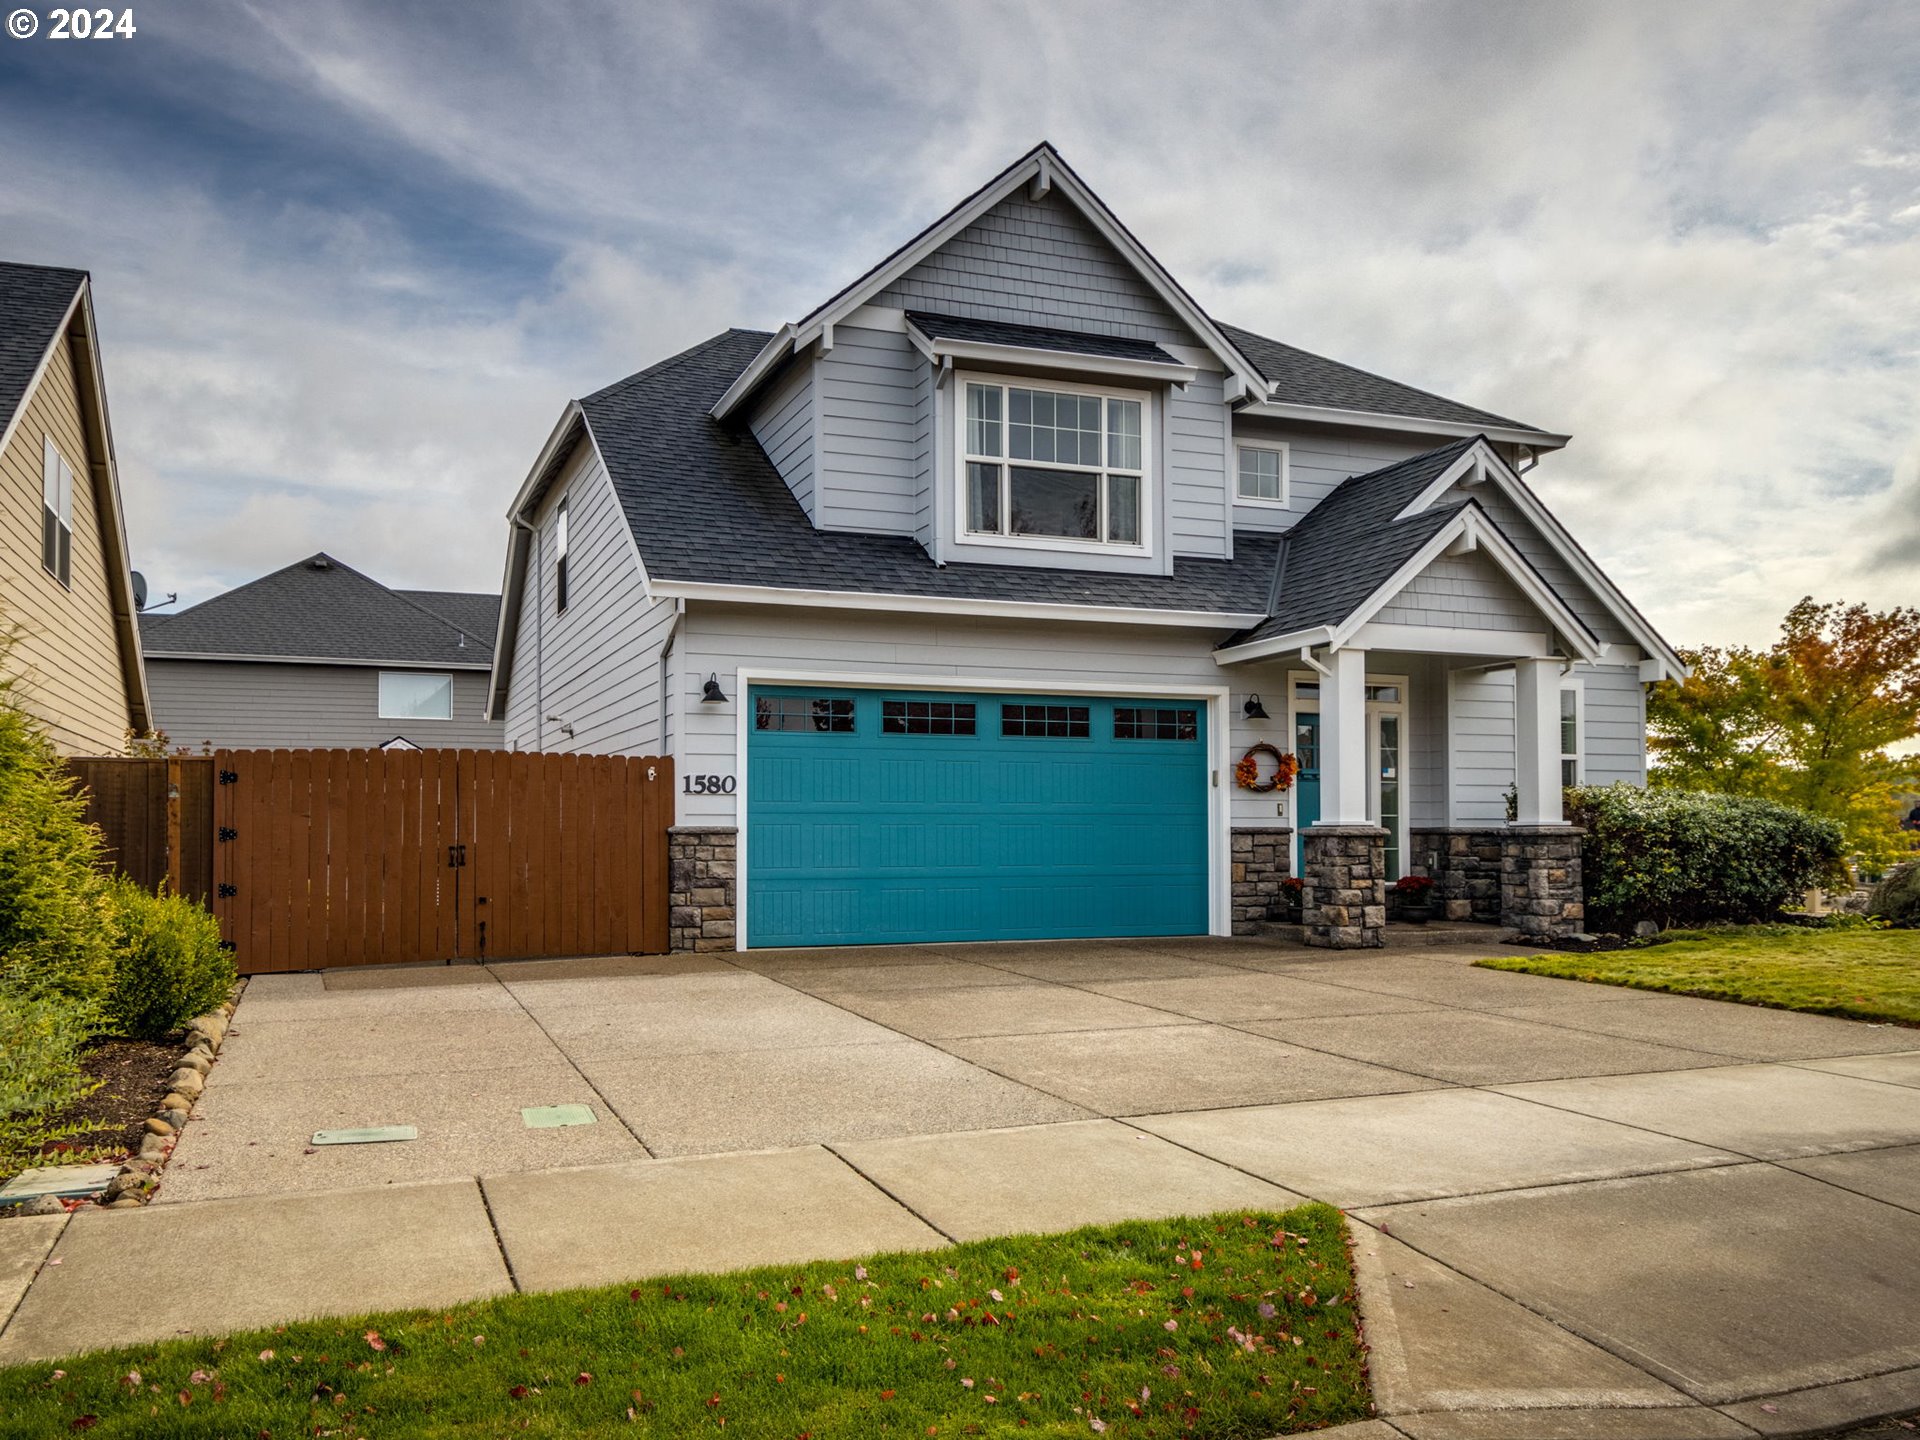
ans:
(1155, 724)
(1263, 474)
(1055, 466)
(560, 557)
(805, 713)
(1053, 722)
(415, 695)
(926, 717)
(56, 515)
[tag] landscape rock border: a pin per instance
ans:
(139, 1177)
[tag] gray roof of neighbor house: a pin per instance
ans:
(1303, 378)
(706, 504)
(34, 299)
(1036, 337)
(319, 609)
(1349, 545)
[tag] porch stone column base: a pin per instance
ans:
(1261, 860)
(1344, 903)
(1540, 891)
(702, 864)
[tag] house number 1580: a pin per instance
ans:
(710, 785)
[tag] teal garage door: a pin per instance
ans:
(886, 817)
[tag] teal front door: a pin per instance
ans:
(889, 817)
(1306, 785)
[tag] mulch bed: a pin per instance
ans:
(135, 1075)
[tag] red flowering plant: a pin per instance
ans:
(1414, 887)
(1293, 885)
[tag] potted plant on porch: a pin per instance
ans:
(1289, 903)
(1415, 894)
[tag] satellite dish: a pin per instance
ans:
(139, 591)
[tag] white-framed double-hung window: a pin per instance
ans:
(56, 513)
(1572, 723)
(1055, 465)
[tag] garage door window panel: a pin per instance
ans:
(1155, 723)
(1048, 722)
(927, 717)
(803, 714)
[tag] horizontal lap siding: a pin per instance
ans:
(784, 426)
(598, 664)
(1615, 737)
(1481, 738)
(1197, 425)
(869, 421)
(1462, 592)
(244, 705)
(1039, 262)
(1316, 464)
(67, 656)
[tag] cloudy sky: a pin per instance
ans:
(352, 258)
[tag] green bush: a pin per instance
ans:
(169, 965)
(1680, 857)
(55, 936)
(41, 1037)
(1897, 898)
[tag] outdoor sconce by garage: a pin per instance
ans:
(713, 694)
(1254, 710)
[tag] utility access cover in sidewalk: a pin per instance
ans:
(552, 1117)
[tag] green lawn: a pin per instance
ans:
(1236, 1325)
(1852, 970)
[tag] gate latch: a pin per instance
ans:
(456, 856)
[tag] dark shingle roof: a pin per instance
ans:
(33, 301)
(706, 505)
(1037, 337)
(319, 609)
(1349, 545)
(1304, 378)
(477, 614)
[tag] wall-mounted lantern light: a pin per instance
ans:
(1254, 710)
(713, 694)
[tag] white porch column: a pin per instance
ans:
(1343, 738)
(1536, 725)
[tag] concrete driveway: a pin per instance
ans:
(1577, 1207)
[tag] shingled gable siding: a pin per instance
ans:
(599, 663)
(869, 433)
(260, 704)
(1318, 461)
(1038, 263)
(784, 426)
(1556, 572)
(67, 656)
(1463, 592)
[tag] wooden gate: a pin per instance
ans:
(385, 857)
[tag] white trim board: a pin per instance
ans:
(893, 604)
(1219, 800)
(1459, 429)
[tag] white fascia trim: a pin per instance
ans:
(947, 605)
(1472, 460)
(1442, 640)
(771, 354)
(1219, 725)
(983, 353)
(1275, 645)
(1563, 543)
(432, 666)
(1285, 410)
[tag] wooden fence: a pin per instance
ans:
(321, 858)
(157, 816)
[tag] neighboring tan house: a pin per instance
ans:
(319, 656)
(962, 600)
(66, 590)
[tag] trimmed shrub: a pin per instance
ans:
(41, 1037)
(1896, 899)
(1681, 857)
(55, 936)
(169, 966)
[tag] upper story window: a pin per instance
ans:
(56, 515)
(415, 695)
(560, 557)
(1263, 474)
(1059, 466)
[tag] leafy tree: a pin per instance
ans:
(1811, 721)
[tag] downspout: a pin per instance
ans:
(539, 645)
(667, 696)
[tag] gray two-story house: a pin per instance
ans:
(991, 599)
(317, 655)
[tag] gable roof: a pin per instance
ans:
(319, 610)
(474, 612)
(42, 306)
(1042, 170)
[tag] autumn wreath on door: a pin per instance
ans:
(1247, 774)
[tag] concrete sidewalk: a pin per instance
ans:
(1579, 1211)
